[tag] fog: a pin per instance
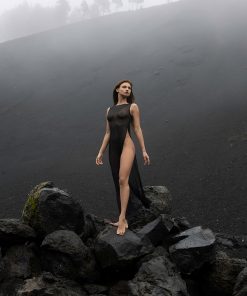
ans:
(188, 63)
(21, 18)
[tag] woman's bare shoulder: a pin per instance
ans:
(133, 107)
(107, 110)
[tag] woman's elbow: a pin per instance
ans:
(137, 129)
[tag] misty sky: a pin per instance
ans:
(8, 4)
(19, 18)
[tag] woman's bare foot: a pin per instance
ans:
(117, 223)
(121, 226)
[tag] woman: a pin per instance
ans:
(122, 156)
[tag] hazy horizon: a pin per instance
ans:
(20, 18)
(10, 4)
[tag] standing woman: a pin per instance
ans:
(122, 157)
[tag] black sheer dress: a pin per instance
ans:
(119, 119)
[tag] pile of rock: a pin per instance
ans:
(57, 249)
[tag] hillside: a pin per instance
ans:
(188, 63)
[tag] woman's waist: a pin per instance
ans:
(116, 135)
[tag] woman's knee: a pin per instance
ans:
(123, 181)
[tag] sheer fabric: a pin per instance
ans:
(119, 118)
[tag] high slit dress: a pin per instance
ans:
(119, 118)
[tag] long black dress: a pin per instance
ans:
(119, 118)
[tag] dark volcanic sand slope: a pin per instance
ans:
(188, 62)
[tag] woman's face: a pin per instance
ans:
(124, 89)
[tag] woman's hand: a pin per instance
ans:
(99, 159)
(146, 158)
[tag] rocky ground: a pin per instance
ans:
(58, 249)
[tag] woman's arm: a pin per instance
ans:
(137, 126)
(138, 131)
(106, 136)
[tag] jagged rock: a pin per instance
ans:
(240, 288)
(220, 277)
(2, 273)
(160, 203)
(182, 223)
(158, 276)
(141, 217)
(39, 286)
(169, 223)
(193, 287)
(89, 251)
(95, 289)
(48, 209)
(195, 248)
(66, 255)
(92, 227)
(157, 230)
(121, 288)
(10, 286)
(188, 232)
(233, 245)
(20, 261)
(160, 199)
(157, 252)
(114, 251)
(173, 226)
(14, 231)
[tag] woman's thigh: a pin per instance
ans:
(127, 158)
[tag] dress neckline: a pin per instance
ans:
(121, 104)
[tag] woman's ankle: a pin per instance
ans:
(122, 218)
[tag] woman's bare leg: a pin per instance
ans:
(126, 162)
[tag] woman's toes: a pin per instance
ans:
(114, 223)
(121, 228)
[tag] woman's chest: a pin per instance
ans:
(118, 114)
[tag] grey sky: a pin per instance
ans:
(18, 20)
(8, 4)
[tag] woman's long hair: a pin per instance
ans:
(131, 97)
